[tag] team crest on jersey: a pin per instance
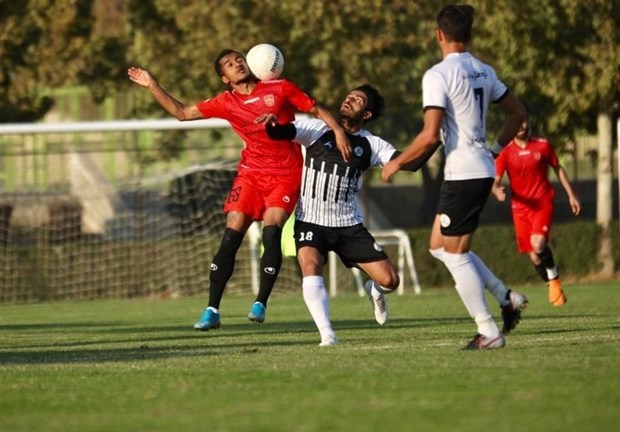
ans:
(537, 155)
(286, 199)
(269, 100)
(378, 247)
(444, 220)
(358, 151)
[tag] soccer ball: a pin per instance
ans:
(265, 61)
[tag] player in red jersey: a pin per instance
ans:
(526, 160)
(269, 173)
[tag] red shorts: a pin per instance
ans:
(531, 220)
(252, 194)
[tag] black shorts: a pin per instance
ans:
(352, 244)
(460, 205)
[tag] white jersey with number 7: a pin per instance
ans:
(463, 87)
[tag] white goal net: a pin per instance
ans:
(87, 211)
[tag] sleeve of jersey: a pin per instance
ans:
(382, 150)
(500, 164)
(309, 130)
(499, 90)
(553, 157)
(298, 98)
(433, 90)
(213, 107)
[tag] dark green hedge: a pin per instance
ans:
(85, 269)
(574, 245)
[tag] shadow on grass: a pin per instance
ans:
(182, 341)
(179, 341)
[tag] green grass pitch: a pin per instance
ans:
(137, 365)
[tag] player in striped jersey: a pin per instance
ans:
(327, 217)
(267, 182)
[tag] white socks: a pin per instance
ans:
(470, 287)
(495, 286)
(552, 273)
(317, 301)
(491, 282)
(377, 291)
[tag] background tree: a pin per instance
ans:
(51, 44)
(560, 57)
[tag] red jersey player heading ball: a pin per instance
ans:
(268, 176)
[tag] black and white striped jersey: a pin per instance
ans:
(329, 185)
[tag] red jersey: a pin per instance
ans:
(262, 154)
(528, 170)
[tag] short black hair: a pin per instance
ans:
(375, 102)
(456, 22)
(217, 65)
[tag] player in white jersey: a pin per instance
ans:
(327, 217)
(456, 97)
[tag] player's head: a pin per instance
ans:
(456, 21)
(374, 101)
(218, 64)
(231, 67)
(361, 105)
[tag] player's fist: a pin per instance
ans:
(499, 191)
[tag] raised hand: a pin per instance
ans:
(140, 76)
(343, 145)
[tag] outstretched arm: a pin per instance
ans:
(421, 144)
(575, 205)
(174, 107)
(418, 162)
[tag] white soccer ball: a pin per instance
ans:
(265, 61)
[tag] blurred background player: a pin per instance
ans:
(526, 160)
(267, 183)
(327, 217)
(456, 96)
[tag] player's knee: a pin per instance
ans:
(389, 282)
(311, 262)
(310, 268)
(538, 243)
(272, 236)
(231, 241)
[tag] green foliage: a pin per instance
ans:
(560, 57)
(49, 44)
